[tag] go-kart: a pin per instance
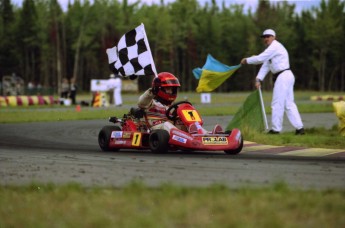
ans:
(133, 132)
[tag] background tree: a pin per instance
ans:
(183, 19)
(43, 43)
(28, 43)
(8, 58)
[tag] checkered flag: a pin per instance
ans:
(132, 56)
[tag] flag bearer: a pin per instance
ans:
(275, 58)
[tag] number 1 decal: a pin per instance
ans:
(191, 115)
(136, 139)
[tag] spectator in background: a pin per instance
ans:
(73, 91)
(64, 90)
(115, 84)
(31, 88)
(39, 88)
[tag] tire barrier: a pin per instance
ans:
(14, 101)
(327, 98)
(100, 100)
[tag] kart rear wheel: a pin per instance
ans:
(104, 137)
(158, 141)
(237, 150)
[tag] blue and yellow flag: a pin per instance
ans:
(212, 74)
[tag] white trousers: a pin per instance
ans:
(283, 101)
(117, 96)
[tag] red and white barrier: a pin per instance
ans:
(25, 100)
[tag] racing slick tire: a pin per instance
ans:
(104, 137)
(237, 150)
(158, 141)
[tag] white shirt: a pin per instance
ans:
(275, 58)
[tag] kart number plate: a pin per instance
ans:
(136, 139)
(191, 115)
(214, 140)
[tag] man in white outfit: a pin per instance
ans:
(115, 83)
(275, 58)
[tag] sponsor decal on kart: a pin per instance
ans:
(126, 135)
(116, 134)
(179, 139)
(191, 115)
(179, 133)
(119, 142)
(215, 140)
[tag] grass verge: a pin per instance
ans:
(136, 205)
(314, 138)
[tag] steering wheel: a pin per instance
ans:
(171, 112)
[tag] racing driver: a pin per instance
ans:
(157, 99)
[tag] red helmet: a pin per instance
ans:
(165, 79)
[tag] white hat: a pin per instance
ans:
(268, 32)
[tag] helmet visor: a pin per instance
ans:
(170, 82)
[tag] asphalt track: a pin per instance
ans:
(67, 151)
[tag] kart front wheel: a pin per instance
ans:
(237, 150)
(104, 137)
(158, 141)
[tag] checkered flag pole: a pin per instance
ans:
(132, 55)
(149, 50)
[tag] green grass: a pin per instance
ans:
(20, 115)
(136, 205)
(314, 138)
